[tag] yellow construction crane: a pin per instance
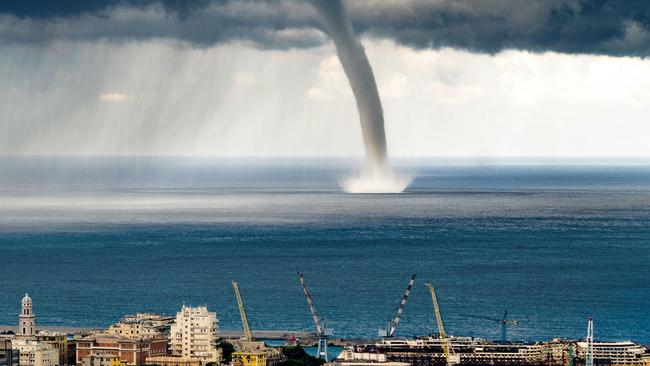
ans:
(242, 312)
(450, 356)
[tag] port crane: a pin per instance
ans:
(504, 321)
(392, 324)
(248, 336)
(589, 357)
(450, 356)
(322, 332)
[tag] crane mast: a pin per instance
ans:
(503, 321)
(450, 356)
(589, 358)
(320, 330)
(400, 309)
(504, 326)
(242, 312)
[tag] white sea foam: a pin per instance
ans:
(383, 182)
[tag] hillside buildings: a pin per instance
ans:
(127, 343)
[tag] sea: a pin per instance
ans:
(550, 241)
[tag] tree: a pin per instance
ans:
(227, 349)
(296, 356)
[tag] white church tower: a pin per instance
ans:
(26, 320)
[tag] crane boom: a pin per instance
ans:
(242, 312)
(450, 356)
(402, 304)
(312, 308)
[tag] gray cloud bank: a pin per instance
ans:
(615, 27)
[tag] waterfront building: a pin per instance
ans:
(142, 325)
(624, 353)
(9, 356)
(102, 360)
(133, 351)
(36, 353)
(194, 335)
(26, 319)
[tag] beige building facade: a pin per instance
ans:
(60, 341)
(194, 335)
(36, 353)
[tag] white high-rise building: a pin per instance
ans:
(194, 335)
(26, 320)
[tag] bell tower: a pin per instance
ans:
(26, 320)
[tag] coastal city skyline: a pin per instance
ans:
(148, 338)
(324, 183)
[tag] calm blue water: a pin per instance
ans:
(92, 239)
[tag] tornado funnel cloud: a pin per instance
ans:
(377, 178)
(362, 81)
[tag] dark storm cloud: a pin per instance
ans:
(615, 27)
(568, 26)
(267, 24)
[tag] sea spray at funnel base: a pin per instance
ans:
(385, 182)
(362, 81)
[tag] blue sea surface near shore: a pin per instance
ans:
(92, 239)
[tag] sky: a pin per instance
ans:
(251, 78)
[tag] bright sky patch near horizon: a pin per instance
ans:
(162, 96)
